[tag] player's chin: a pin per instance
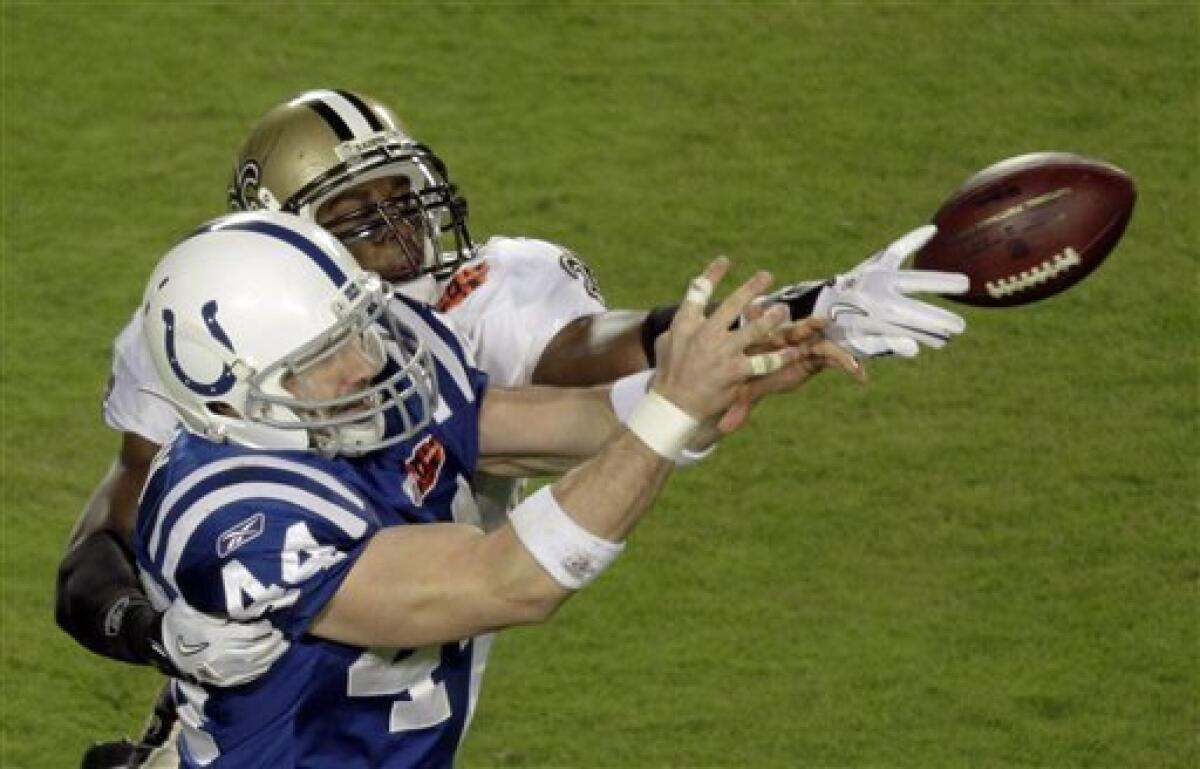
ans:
(386, 260)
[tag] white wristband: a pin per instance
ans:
(570, 554)
(627, 392)
(626, 395)
(661, 425)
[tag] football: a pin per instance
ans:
(1029, 227)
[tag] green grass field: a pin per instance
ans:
(988, 557)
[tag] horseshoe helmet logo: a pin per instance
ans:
(226, 379)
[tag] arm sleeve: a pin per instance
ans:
(99, 601)
(533, 289)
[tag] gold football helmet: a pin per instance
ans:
(343, 160)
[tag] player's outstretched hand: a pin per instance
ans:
(217, 651)
(870, 312)
(815, 354)
(703, 360)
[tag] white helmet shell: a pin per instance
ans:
(239, 304)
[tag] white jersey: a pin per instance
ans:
(510, 302)
(513, 299)
(128, 405)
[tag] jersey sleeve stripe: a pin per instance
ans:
(189, 482)
(191, 519)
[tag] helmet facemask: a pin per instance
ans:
(399, 220)
(411, 208)
(306, 388)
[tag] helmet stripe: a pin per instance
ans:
(331, 117)
(291, 237)
(348, 117)
(371, 118)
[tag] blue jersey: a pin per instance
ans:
(247, 533)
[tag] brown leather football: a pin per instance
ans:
(1029, 227)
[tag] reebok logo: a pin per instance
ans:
(240, 533)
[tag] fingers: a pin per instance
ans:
(802, 366)
(798, 341)
(735, 416)
(796, 365)
(766, 363)
(906, 245)
(926, 319)
(923, 322)
(279, 646)
(700, 290)
(932, 282)
(734, 305)
(249, 631)
(876, 345)
(755, 311)
(758, 329)
(830, 354)
(819, 353)
(803, 331)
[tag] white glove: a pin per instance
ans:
(870, 314)
(217, 651)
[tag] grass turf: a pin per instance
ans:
(988, 557)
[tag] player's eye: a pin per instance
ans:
(369, 221)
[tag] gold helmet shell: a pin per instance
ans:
(320, 143)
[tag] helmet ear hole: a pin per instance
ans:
(223, 409)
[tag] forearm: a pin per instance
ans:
(98, 598)
(603, 348)
(113, 504)
(609, 494)
(527, 467)
(593, 350)
(111, 507)
(99, 601)
(418, 585)
(544, 426)
(606, 497)
(563, 536)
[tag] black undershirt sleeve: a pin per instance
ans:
(800, 299)
(100, 603)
